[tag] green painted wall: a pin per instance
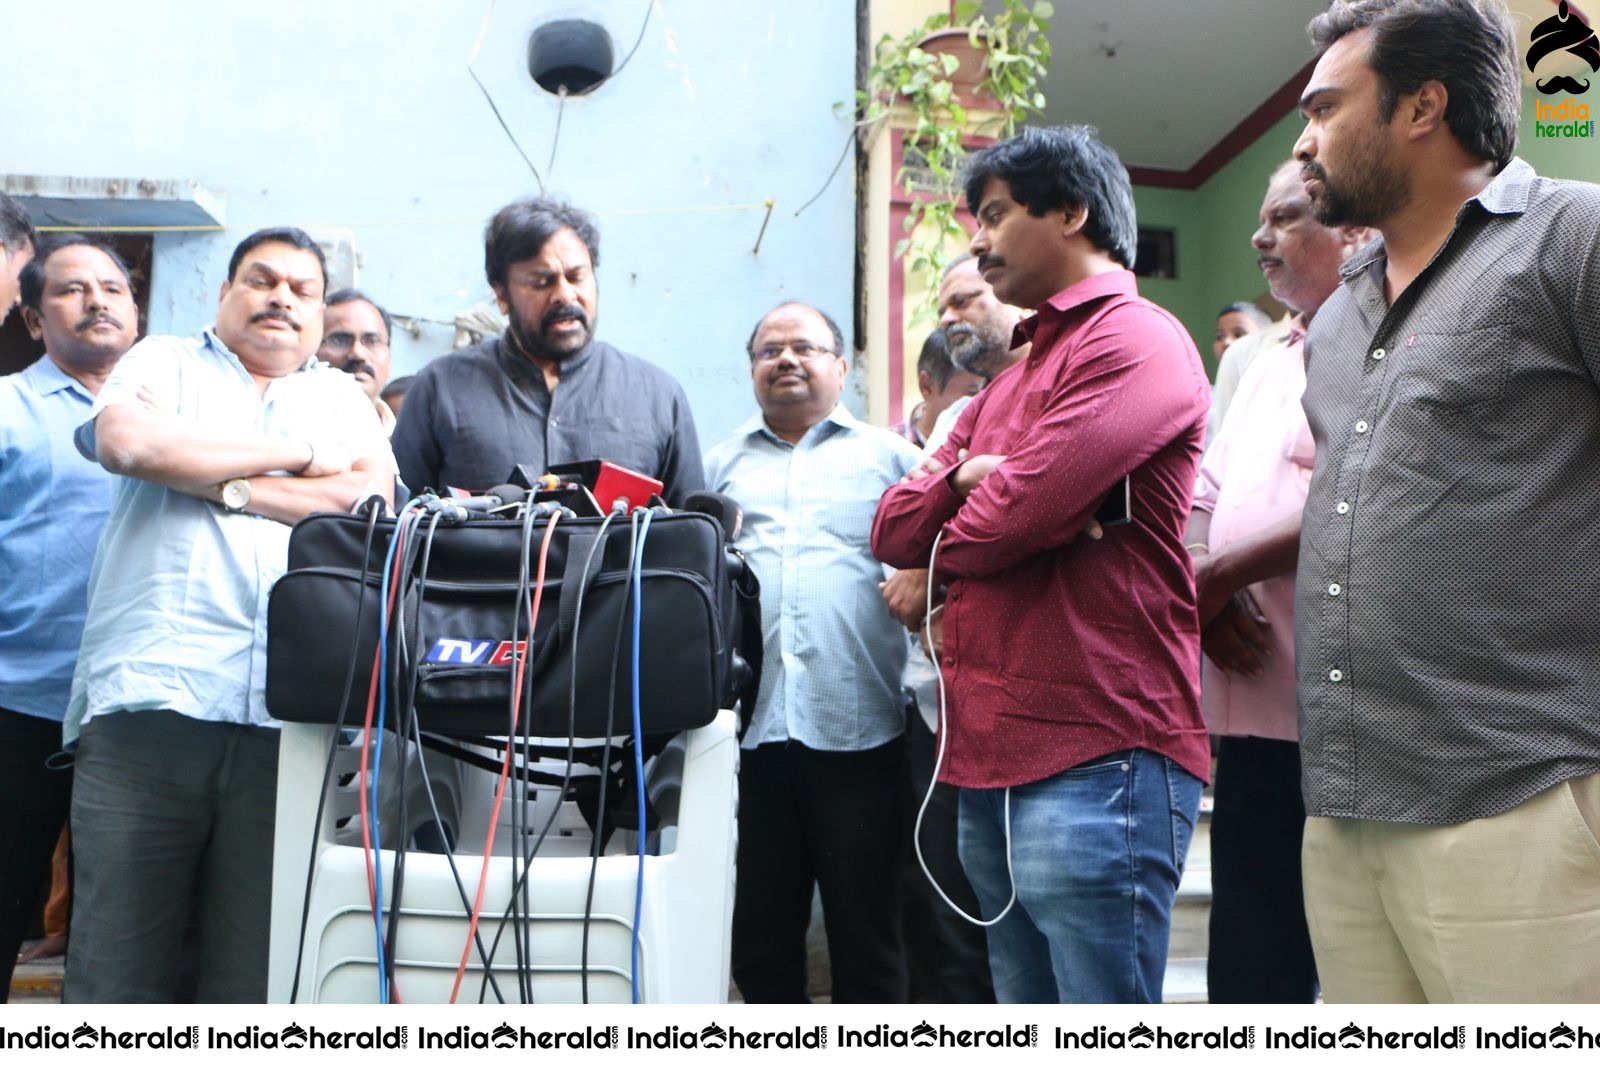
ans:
(1216, 264)
(1174, 209)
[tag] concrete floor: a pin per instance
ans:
(40, 983)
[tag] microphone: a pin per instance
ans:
(493, 500)
(720, 506)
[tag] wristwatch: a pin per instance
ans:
(235, 494)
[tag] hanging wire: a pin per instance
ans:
(472, 57)
(832, 174)
(649, 6)
(561, 107)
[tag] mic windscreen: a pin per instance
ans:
(509, 494)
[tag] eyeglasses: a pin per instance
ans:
(339, 343)
(803, 350)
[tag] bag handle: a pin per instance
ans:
(574, 584)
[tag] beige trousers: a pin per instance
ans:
(1498, 910)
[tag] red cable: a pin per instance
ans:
(505, 767)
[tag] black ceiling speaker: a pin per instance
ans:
(570, 55)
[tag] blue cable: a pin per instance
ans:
(638, 749)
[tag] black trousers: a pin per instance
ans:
(830, 820)
(172, 820)
(34, 800)
(949, 955)
(1260, 947)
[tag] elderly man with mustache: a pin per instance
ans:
(223, 441)
(547, 391)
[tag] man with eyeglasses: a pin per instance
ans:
(820, 778)
(546, 391)
(355, 338)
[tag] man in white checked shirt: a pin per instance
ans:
(820, 775)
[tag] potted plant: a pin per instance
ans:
(960, 74)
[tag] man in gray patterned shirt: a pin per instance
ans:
(1447, 642)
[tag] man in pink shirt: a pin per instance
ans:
(1245, 534)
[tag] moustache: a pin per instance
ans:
(985, 262)
(99, 317)
(788, 369)
(1563, 84)
(1309, 171)
(564, 313)
(960, 335)
(281, 316)
(360, 366)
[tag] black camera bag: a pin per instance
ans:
(699, 614)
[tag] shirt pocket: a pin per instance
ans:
(846, 506)
(1455, 362)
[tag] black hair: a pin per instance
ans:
(286, 235)
(1055, 168)
(833, 327)
(33, 273)
(934, 360)
(16, 226)
(1468, 46)
(520, 229)
(350, 296)
(397, 387)
(1249, 311)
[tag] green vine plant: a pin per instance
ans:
(1016, 53)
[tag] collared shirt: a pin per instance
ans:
(178, 593)
(472, 416)
(830, 677)
(52, 505)
(919, 675)
(1446, 626)
(1059, 648)
(1255, 475)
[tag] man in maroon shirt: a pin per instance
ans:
(1071, 665)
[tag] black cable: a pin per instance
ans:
(834, 173)
(605, 756)
(572, 713)
(405, 688)
(455, 872)
(514, 695)
(413, 735)
(374, 508)
(405, 562)
(520, 901)
(561, 107)
(648, 7)
(501, 120)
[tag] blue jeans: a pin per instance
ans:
(1097, 851)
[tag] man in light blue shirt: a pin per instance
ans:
(819, 782)
(224, 441)
(77, 298)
